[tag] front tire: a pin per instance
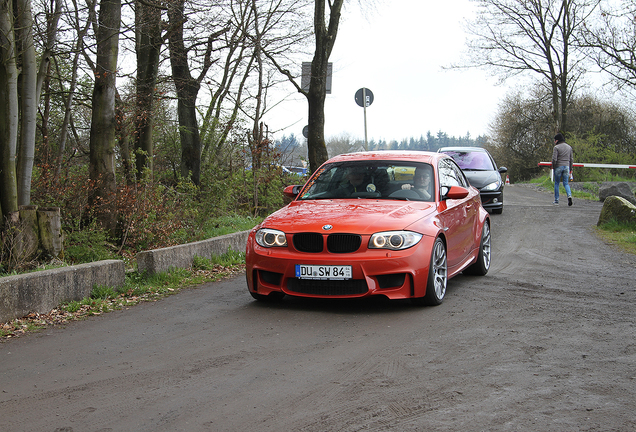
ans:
(437, 276)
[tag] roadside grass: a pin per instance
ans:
(589, 192)
(137, 288)
(616, 233)
(622, 235)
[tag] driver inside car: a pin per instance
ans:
(421, 183)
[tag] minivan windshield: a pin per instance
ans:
(471, 160)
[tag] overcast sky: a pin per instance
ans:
(398, 51)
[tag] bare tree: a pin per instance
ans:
(344, 143)
(185, 46)
(228, 85)
(611, 42)
(325, 31)
(535, 37)
(521, 132)
(600, 132)
(257, 25)
(80, 31)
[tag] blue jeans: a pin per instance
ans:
(562, 173)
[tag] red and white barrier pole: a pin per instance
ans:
(587, 165)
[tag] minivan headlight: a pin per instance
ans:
(492, 186)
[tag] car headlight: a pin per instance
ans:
(492, 186)
(270, 238)
(394, 240)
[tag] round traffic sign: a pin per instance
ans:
(361, 95)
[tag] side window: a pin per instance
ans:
(448, 175)
(459, 174)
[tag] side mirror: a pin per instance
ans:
(456, 192)
(292, 191)
(502, 170)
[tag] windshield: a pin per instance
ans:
(472, 160)
(372, 179)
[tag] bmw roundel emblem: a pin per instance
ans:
(327, 227)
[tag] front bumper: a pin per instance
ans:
(394, 274)
(492, 200)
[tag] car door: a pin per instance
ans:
(471, 212)
(456, 215)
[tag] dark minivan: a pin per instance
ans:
(482, 173)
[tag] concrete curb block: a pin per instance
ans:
(45, 290)
(181, 256)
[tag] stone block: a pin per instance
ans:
(619, 209)
(620, 189)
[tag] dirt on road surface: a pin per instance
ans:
(544, 342)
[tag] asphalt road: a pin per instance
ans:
(544, 342)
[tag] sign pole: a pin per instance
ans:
(364, 98)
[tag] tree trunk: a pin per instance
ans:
(316, 146)
(325, 40)
(50, 229)
(29, 99)
(51, 36)
(103, 127)
(123, 139)
(29, 234)
(148, 21)
(8, 112)
(187, 90)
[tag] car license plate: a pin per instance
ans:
(328, 272)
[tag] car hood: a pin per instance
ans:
(479, 179)
(359, 216)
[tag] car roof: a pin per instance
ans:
(396, 155)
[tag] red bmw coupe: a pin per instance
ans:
(391, 223)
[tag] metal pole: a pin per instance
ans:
(364, 105)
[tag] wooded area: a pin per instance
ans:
(143, 120)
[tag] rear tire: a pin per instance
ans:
(437, 277)
(482, 265)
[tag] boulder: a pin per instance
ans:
(620, 189)
(619, 209)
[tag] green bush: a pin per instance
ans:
(88, 245)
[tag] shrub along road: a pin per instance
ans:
(544, 342)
